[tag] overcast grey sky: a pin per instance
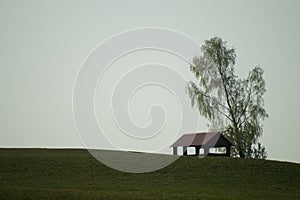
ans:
(43, 44)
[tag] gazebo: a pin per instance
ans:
(203, 141)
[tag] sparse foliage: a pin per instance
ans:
(232, 105)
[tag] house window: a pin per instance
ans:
(191, 150)
(219, 150)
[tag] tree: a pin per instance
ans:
(232, 105)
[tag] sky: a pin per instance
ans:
(45, 43)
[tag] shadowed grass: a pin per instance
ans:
(75, 174)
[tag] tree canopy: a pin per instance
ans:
(232, 105)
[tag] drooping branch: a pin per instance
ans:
(197, 92)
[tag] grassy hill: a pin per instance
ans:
(75, 174)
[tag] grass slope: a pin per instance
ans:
(75, 174)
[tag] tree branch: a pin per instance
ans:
(246, 105)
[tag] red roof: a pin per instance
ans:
(201, 139)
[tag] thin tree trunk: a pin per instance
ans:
(242, 155)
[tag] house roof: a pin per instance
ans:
(202, 139)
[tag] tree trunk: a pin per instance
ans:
(242, 155)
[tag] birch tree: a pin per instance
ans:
(235, 106)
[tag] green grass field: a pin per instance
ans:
(75, 174)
